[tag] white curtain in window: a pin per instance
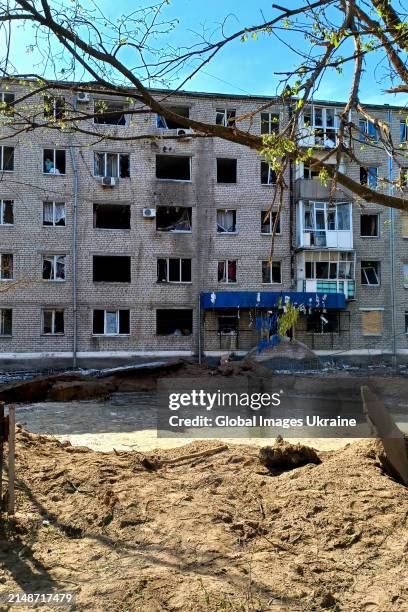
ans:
(225, 220)
(48, 217)
(112, 165)
(59, 212)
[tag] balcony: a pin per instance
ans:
(324, 225)
(346, 286)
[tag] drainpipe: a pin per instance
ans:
(199, 329)
(392, 257)
(74, 247)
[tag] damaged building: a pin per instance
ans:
(161, 246)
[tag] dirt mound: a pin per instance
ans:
(206, 530)
(284, 456)
(287, 349)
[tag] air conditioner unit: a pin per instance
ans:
(184, 132)
(83, 97)
(149, 213)
(108, 181)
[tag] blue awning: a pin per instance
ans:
(270, 299)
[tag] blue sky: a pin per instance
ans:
(241, 67)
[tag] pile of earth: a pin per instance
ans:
(207, 527)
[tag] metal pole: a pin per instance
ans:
(74, 252)
(199, 329)
(11, 459)
(392, 258)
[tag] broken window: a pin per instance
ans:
(109, 112)
(54, 107)
(111, 322)
(327, 323)
(369, 176)
(116, 165)
(227, 271)
(406, 321)
(54, 267)
(6, 212)
(324, 122)
(268, 175)
(52, 322)
(225, 117)
(174, 322)
(7, 104)
(405, 274)
(6, 159)
(6, 266)
(335, 265)
(169, 124)
(6, 321)
(228, 322)
(173, 167)
(226, 170)
(173, 219)
(370, 272)
(309, 173)
(111, 269)
(111, 216)
(369, 226)
(54, 161)
(270, 222)
(174, 270)
(54, 214)
(371, 322)
(403, 178)
(226, 221)
(269, 123)
(271, 272)
(368, 131)
(403, 131)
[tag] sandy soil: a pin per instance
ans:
(208, 533)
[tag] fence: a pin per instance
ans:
(7, 437)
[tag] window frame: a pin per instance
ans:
(105, 164)
(107, 112)
(117, 313)
(226, 263)
(53, 224)
(265, 264)
(3, 112)
(54, 113)
(377, 272)
(226, 210)
(273, 126)
(2, 210)
(174, 282)
(403, 131)
(2, 147)
(271, 174)
(54, 267)
(368, 131)
(53, 312)
(370, 176)
(372, 335)
(54, 153)
(3, 335)
(225, 112)
(172, 180)
(2, 279)
(271, 220)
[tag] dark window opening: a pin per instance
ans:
(309, 173)
(54, 161)
(7, 104)
(6, 266)
(369, 176)
(369, 226)
(108, 112)
(169, 124)
(6, 212)
(111, 322)
(173, 219)
(270, 222)
(6, 321)
(7, 159)
(226, 170)
(173, 167)
(174, 270)
(269, 123)
(174, 322)
(227, 271)
(54, 267)
(323, 323)
(271, 272)
(370, 272)
(54, 107)
(268, 175)
(111, 269)
(228, 323)
(111, 216)
(53, 322)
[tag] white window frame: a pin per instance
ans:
(272, 124)
(105, 163)
(365, 126)
(403, 131)
(53, 113)
(405, 274)
(272, 282)
(271, 172)
(53, 311)
(2, 210)
(2, 325)
(226, 264)
(53, 214)
(105, 312)
(2, 147)
(179, 282)
(54, 268)
(271, 223)
(327, 130)
(227, 210)
(225, 111)
(54, 162)
(377, 273)
(2, 279)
